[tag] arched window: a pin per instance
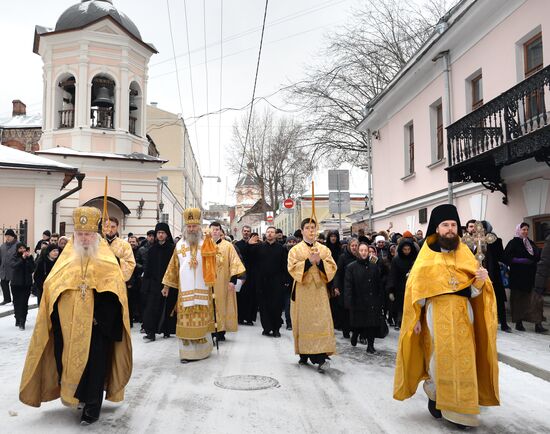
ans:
(102, 114)
(65, 101)
(136, 116)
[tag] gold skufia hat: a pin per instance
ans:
(86, 218)
(192, 216)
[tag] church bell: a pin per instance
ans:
(133, 104)
(103, 98)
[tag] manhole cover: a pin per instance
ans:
(246, 382)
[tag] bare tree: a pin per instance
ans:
(273, 157)
(360, 61)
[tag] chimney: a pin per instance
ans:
(19, 108)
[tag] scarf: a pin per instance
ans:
(526, 241)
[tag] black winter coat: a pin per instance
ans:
(543, 267)
(363, 293)
(22, 270)
(400, 266)
(523, 266)
(42, 268)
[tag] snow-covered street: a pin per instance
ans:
(355, 396)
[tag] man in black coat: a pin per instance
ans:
(23, 265)
(348, 256)
(271, 272)
(397, 278)
(157, 317)
(246, 297)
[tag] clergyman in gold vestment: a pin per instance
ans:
(81, 342)
(228, 267)
(311, 266)
(448, 332)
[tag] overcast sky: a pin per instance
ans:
(294, 36)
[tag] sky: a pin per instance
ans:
(294, 37)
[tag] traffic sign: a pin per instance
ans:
(339, 203)
(338, 180)
(269, 216)
(288, 203)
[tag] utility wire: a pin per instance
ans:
(253, 92)
(174, 55)
(221, 89)
(206, 76)
(197, 146)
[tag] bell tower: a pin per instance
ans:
(95, 80)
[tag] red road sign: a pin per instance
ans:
(269, 219)
(288, 203)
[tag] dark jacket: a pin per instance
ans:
(22, 270)
(363, 293)
(335, 248)
(400, 266)
(523, 266)
(343, 261)
(42, 268)
(543, 268)
(7, 251)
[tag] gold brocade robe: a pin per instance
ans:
(40, 379)
(465, 353)
(123, 251)
(228, 263)
(312, 325)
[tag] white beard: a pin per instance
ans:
(192, 238)
(86, 252)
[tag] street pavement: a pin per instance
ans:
(354, 396)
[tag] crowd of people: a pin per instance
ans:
(200, 287)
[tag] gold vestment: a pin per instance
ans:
(40, 379)
(465, 353)
(312, 325)
(123, 251)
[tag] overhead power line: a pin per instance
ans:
(206, 77)
(174, 55)
(221, 90)
(253, 92)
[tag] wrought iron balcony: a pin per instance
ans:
(510, 128)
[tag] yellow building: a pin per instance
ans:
(181, 172)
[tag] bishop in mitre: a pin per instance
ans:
(194, 308)
(81, 342)
(448, 332)
(311, 266)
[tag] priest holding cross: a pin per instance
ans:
(448, 333)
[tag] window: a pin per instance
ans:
(532, 55)
(439, 132)
(410, 130)
(477, 91)
(532, 63)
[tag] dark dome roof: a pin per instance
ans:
(88, 11)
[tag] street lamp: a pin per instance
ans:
(218, 179)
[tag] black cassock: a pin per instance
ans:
(158, 257)
(270, 272)
(247, 303)
(106, 330)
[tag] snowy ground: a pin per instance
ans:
(164, 396)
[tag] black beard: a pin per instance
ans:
(448, 243)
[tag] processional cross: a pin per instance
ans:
(479, 239)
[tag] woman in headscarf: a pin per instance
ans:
(397, 279)
(522, 255)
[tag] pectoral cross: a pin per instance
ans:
(453, 282)
(479, 240)
(83, 287)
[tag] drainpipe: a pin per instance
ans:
(448, 104)
(79, 178)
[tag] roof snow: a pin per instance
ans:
(60, 150)
(22, 121)
(10, 157)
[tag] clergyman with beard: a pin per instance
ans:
(158, 308)
(195, 312)
(448, 332)
(81, 342)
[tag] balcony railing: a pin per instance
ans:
(102, 117)
(66, 118)
(132, 125)
(501, 123)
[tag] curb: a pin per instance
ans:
(524, 366)
(10, 312)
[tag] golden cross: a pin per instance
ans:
(479, 240)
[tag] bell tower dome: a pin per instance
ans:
(95, 80)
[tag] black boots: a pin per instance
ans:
(539, 328)
(90, 414)
(433, 411)
(354, 336)
(519, 326)
(150, 337)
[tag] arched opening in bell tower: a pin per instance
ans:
(65, 95)
(135, 104)
(102, 111)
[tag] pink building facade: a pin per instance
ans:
(471, 108)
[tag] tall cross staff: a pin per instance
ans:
(479, 239)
